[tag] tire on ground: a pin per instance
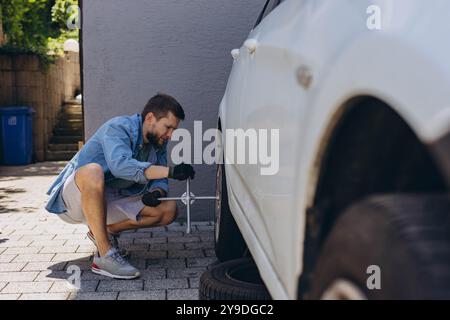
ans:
(233, 280)
(406, 236)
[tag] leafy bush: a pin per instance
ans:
(61, 17)
(36, 26)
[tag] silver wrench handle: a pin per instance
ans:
(187, 200)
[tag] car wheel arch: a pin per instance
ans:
(323, 211)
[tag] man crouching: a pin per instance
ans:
(113, 183)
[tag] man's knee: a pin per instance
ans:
(169, 213)
(90, 177)
(163, 214)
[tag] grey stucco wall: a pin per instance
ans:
(134, 48)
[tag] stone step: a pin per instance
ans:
(70, 121)
(66, 139)
(64, 131)
(73, 102)
(71, 106)
(73, 147)
(73, 126)
(72, 110)
(67, 133)
(70, 116)
(59, 155)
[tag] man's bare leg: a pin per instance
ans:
(161, 215)
(90, 181)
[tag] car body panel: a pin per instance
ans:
(330, 38)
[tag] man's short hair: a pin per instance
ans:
(161, 104)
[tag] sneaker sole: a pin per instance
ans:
(110, 275)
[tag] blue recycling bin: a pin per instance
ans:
(16, 133)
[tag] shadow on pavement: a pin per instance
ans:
(9, 206)
(10, 173)
(77, 275)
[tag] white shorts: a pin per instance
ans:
(118, 207)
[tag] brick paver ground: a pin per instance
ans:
(41, 256)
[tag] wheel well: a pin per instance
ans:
(219, 124)
(371, 150)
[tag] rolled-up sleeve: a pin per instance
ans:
(119, 156)
(161, 161)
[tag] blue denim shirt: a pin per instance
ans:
(114, 146)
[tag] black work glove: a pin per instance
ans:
(150, 199)
(181, 172)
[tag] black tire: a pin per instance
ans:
(407, 236)
(233, 280)
(229, 243)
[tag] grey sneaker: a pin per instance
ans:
(114, 241)
(113, 265)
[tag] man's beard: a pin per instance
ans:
(154, 140)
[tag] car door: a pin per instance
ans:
(233, 92)
(232, 101)
(273, 101)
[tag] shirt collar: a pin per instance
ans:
(140, 139)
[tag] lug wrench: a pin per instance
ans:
(188, 198)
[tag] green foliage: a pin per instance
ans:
(36, 26)
(59, 12)
(62, 15)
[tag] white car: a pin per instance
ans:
(359, 207)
